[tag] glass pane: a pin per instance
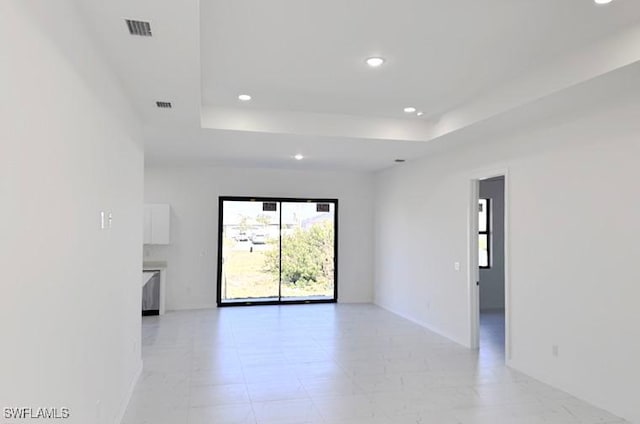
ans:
(250, 254)
(484, 250)
(308, 231)
(483, 218)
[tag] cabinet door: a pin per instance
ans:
(147, 224)
(160, 217)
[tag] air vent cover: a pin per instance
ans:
(164, 105)
(141, 28)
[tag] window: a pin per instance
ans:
(275, 251)
(484, 231)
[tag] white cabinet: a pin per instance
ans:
(156, 223)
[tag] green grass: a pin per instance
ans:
(245, 277)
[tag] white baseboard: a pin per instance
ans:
(424, 325)
(128, 395)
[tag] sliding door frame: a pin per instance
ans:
(280, 200)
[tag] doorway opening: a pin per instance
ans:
(488, 267)
(277, 250)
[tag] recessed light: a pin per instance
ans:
(420, 113)
(602, 1)
(375, 62)
(409, 109)
(298, 157)
(244, 97)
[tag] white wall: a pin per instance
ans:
(193, 196)
(492, 278)
(70, 293)
(574, 207)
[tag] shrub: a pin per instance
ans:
(307, 255)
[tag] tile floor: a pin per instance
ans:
(335, 364)
(492, 337)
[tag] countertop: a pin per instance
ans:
(154, 265)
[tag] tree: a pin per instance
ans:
(243, 225)
(307, 255)
(263, 219)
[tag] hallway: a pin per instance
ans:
(492, 336)
(335, 363)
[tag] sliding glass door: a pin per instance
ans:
(274, 250)
(308, 251)
(250, 254)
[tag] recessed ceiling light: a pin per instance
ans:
(298, 157)
(602, 1)
(409, 109)
(244, 97)
(420, 113)
(375, 62)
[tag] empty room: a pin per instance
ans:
(339, 212)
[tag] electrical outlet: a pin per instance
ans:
(456, 266)
(555, 351)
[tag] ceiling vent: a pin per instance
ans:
(141, 28)
(164, 105)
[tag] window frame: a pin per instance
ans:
(280, 200)
(487, 231)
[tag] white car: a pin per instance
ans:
(242, 236)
